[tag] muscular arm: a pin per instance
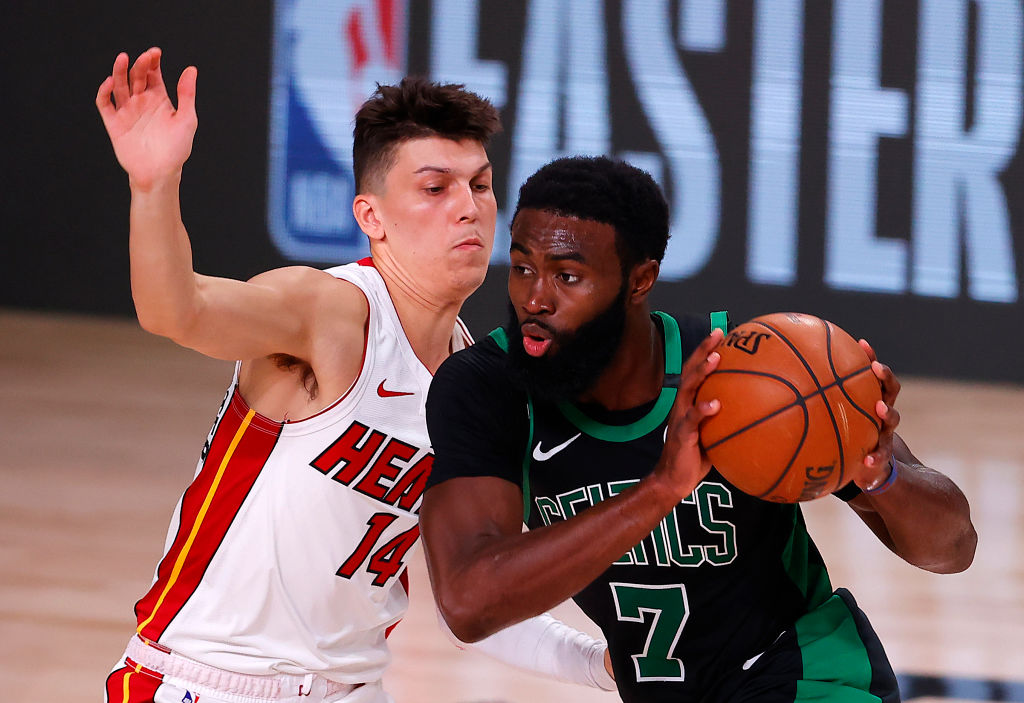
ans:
(487, 574)
(219, 317)
(923, 517)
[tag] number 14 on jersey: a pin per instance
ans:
(387, 560)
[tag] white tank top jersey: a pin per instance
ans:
(287, 552)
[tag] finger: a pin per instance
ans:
(867, 349)
(137, 76)
(890, 384)
(693, 377)
(155, 77)
(890, 417)
(120, 75)
(689, 431)
(701, 353)
(103, 99)
(187, 92)
(880, 457)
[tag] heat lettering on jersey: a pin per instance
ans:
(381, 468)
(665, 546)
(377, 465)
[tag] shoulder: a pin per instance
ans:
(476, 417)
(478, 375)
(483, 360)
(318, 292)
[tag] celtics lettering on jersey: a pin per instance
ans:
(707, 507)
(379, 467)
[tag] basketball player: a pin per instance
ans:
(564, 419)
(284, 565)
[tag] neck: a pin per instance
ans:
(636, 372)
(427, 320)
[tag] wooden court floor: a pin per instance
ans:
(101, 425)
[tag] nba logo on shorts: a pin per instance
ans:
(329, 56)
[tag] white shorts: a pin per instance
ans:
(148, 674)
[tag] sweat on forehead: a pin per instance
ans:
(541, 235)
(557, 230)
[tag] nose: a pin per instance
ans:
(466, 205)
(539, 300)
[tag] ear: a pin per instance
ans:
(641, 280)
(366, 209)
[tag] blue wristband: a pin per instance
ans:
(887, 484)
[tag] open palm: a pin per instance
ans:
(151, 139)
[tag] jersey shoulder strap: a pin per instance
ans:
(720, 321)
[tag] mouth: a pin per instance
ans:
(536, 339)
(470, 244)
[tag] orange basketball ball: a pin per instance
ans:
(798, 407)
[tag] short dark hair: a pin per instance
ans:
(415, 108)
(604, 190)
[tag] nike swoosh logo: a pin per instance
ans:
(385, 393)
(541, 455)
(750, 662)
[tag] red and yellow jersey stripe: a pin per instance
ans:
(132, 683)
(241, 445)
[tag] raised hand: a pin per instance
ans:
(151, 139)
(683, 465)
(876, 463)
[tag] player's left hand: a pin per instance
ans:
(683, 463)
(876, 463)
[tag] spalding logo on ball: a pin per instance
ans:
(798, 408)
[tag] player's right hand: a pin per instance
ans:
(683, 464)
(152, 139)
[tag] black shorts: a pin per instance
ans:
(830, 654)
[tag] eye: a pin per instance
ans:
(434, 190)
(520, 270)
(481, 187)
(569, 278)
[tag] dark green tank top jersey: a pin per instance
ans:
(726, 600)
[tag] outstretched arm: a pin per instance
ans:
(487, 574)
(917, 512)
(220, 317)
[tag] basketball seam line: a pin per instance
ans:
(814, 378)
(842, 389)
(832, 367)
(800, 402)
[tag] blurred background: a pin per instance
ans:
(859, 160)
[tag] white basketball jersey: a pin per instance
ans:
(287, 552)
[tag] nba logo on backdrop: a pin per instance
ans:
(329, 56)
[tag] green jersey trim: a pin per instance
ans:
(500, 338)
(616, 433)
(657, 414)
(720, 321)
(809, 577)
(837, 665)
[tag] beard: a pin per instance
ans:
(581, 356)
